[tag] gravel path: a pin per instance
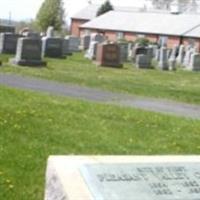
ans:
(156, 105)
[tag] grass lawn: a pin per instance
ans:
(34, 126)
(180, 85)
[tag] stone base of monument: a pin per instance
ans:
(123, 178)
(31, 63)
(113, 65)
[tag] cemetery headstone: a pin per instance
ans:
(50, 32)
(92, 51)
(123, 178)
(123, 51)
(29, 52)
(97, 37)
(130, 51)
(33, 35)
(143, 61)
(8, 43)
(172, 59)
(149, 52)
(138, 50)
(188, 53)
(194, 62)
(74, 43)
(157, 55)
(108, 55)
(163, 62)
(181, 54)
(52, 47)
(66, 50)
(85, 42)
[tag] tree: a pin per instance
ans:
(105, 7)
(51, 13)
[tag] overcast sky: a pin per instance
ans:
(27, 9)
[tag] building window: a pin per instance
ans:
(87, 32)
(191, 42)
(163, 40)
(120, 35)
(141, 36)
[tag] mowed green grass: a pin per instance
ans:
(181, 85)
(34, 126)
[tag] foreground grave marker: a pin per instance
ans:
(28, 52)
(123, 178)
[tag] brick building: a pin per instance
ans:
(167, 28)
(89, 13)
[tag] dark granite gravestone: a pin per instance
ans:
(143, 61)
(8, 43)
(66, 49)
(85, 42)
(138, 50)
(52, 47)
(123, 51)
(74, 43)
(29, 52)
(108, 55)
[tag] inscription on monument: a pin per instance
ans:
(179, 181)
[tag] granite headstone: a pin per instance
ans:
(8, 43)
(108, 55)
(52, 47)
(29, 52)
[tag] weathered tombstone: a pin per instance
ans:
(163, 62)
(50, 31)
(123, 51)
(187, 57)
(29, 52)
(149, 52)
(155, 47)
(181, 54)
(97, 37)
(138, 50)
(130, 51)
(194, 62)
(157, 55)
(143, 61)
(74, 43)
(172, 59)
(52, 47)
(123, 178)
(108, 55)
(33, 35)
(85, 42)
(169, 52)
(91, 52)
(66, 50)
(8, 43)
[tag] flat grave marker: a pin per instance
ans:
(123, 178)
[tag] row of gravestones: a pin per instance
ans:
(30, 50)
(165, 58)
(103, 52)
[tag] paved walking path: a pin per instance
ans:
(156, 105)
